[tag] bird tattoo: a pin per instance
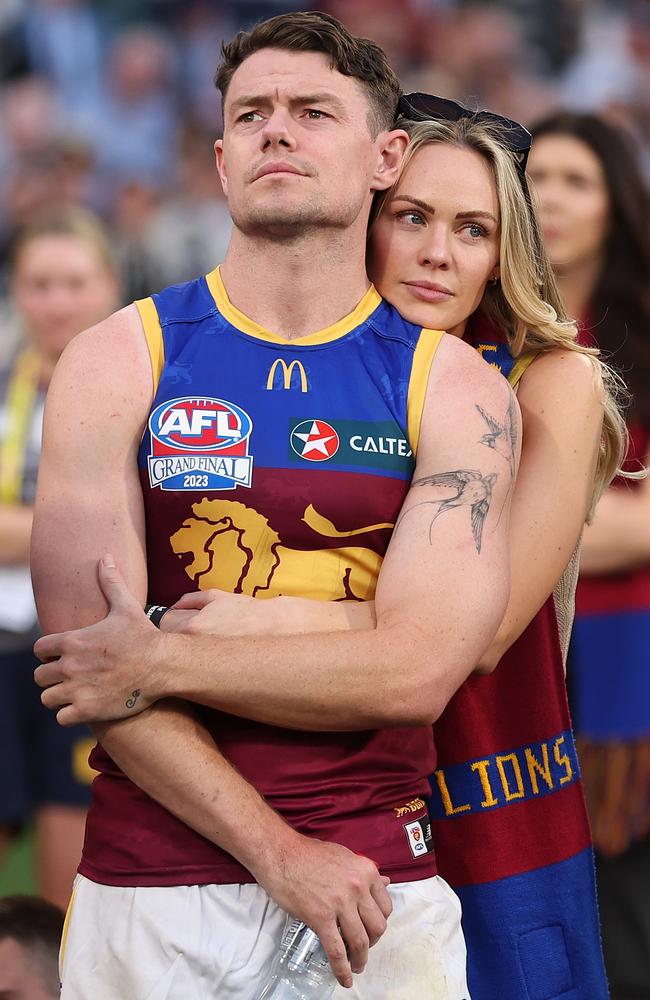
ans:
(502, 437)
(473, 490)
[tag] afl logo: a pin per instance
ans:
(199, 443)
(199, 424)
(314, 440)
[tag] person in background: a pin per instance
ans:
(191, 228)
(595, 211)
(30, 932)
(62, 280)
(135, 129)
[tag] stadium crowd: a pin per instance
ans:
(112, 105)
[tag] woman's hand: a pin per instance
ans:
(215, 612)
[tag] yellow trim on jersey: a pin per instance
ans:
(359, 315)
(425, 350)
(520, 366)
(66, 928)
(21, 395)
(154, 337)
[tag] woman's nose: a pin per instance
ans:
(435, 249)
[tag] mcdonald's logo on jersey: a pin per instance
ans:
(287, 380)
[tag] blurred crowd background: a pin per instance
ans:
(110, 103)
(109, 106)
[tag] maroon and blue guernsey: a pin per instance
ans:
(508, 814)
(272, 468)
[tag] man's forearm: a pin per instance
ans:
(347, 681)
(172, 757)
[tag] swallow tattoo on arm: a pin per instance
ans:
(502, 437)
(473, 490)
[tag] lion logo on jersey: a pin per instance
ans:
(235, 549)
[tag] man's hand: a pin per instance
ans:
(105, 671)
(339, 894)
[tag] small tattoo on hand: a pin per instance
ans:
(130, 702)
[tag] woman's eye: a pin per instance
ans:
(410, 217)
(578, 181)
(474, 230)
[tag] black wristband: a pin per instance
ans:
(155, 612)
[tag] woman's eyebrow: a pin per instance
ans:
(478, 214)
(415, 201)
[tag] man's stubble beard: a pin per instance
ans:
(276, 223)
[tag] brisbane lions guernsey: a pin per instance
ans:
(270, 468)
(507, 807)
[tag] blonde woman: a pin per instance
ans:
(507, 806)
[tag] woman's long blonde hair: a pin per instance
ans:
(525, 302)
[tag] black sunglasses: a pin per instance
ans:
(420, 107)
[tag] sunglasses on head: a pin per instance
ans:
(420, 107)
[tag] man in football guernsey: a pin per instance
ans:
(209, 438)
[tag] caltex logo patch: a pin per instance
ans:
(314, 440)
(199, 443)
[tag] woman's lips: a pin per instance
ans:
(428, 292)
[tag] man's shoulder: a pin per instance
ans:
(110, 358)
(458, 364)
(105, 340)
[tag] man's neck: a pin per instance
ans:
(296, 288)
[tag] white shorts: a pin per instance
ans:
(217, 942)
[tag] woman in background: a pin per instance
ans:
(594, 207)
(62, 280)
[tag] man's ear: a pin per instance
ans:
(221, 166)
(390, 148)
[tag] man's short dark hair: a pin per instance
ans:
(37, 926)
(314, 31)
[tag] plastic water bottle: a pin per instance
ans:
(302, 970)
